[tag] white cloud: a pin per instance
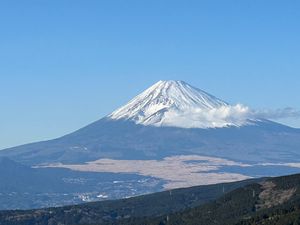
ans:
(231, 115)
(223, 116)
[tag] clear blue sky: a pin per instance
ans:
(66, 63)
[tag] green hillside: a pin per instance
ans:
(275, 201)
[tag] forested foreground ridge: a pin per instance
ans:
(264, 201)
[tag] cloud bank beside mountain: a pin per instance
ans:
(229, 115)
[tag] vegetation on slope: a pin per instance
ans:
(275, 201)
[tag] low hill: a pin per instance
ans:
(275, 201)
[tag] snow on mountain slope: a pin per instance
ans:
(178, 104)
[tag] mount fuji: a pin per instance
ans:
(170, 118)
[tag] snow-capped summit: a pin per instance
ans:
(178, 104)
